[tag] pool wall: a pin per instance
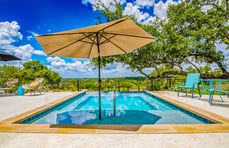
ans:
(11, 124)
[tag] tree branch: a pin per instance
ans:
(167, 73)
(155, 66)
(224, 31)
(220, 65)
(193, 65)
(140, 70)
(175, 64)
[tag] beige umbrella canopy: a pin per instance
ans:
(117, 37)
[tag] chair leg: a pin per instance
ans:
(192, 92)
(220, 97)
(201, 94)
(199, 90)
(178, 91)
(211, 97)
(39, 91)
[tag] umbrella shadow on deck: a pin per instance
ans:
(220, 104)
(15, 95)
(189, 96)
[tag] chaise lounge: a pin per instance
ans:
(34, 86)
(9, 85)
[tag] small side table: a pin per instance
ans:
(20, 91)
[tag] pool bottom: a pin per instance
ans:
(81, 110)
(122, 117)
(91, 117)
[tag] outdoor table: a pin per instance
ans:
(210, 88)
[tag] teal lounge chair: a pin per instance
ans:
(192, 82)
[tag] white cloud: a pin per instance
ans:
(81, 69)
(85, 2)
(160, 9)
(206, 8)
(33, 33)
(39, 52)
(29, 37)
(9, 32)
(107, 3)
(58, 63)
(24, 52)
(54, 59)
(149, 20)
(145, 3)
(134, 10)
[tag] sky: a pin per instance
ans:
(20, 20)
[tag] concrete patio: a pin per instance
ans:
(13, 105)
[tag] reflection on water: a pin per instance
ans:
(91, 117)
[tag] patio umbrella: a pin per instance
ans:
(4, 56)
(117, 37)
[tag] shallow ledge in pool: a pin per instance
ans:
(12, 124)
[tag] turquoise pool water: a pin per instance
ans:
(131, 108)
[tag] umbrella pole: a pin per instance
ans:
(97, 37)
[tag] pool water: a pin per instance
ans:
(131, 108)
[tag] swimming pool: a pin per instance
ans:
(131, 108)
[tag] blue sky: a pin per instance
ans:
(20, 20)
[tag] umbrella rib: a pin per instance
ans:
(112, 24)
(69, 44)
(130, 35)
(114, 44)
(91, 48)
(107, 40)
(64, 34)
(93, 41)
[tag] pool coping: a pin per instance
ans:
(221, 125)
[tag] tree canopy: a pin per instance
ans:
(187, 37)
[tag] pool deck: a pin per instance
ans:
(14, 105)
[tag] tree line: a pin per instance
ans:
(53, 82)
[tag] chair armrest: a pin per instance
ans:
(25, 86)
(7, 88)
